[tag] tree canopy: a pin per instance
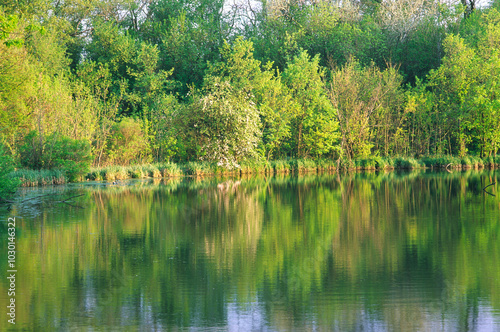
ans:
(229, 81)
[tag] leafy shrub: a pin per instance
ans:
(8, 183)
(382, 163)
(152, 171)
(94, 174)
(30, 152)
(72, 156)
(136, 172)
(367, 163)
(346, 164)
(56, 152)
(127, 143)
(406, 162)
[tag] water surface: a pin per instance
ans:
(369, 251)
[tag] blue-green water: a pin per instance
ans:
(391, 251)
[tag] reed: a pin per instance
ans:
(197, 168)
(169, 170)
(33, 178)
(151, 171)
(407, 163)
(279, 166)
(326, 165)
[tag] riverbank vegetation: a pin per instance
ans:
(33, 178)
(203, 87)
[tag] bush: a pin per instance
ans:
(31, 151)
(72, 156)
(56, 152)
(127, 143)
(136, 172)
(151, 171)
(383, 163)
(346, 164)
(94, 175)
(406, 162)
(367, 163)
(8, 183)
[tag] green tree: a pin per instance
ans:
(453, 84)
(226, 122)
(135, 77)
(8, 184)
(127, 143)
(314, 123)
(367, 101)
(189, 34)
(262, 84)
(15, 79)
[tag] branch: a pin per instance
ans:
(67, 199)
(484, 189)
(28, 199)
(3, 200)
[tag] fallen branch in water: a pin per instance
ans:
(29, 199)
(484, 189)
(3, 200)
(6, 201)
(67, 199)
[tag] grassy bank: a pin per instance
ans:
(32, 178)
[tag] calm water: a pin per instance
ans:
(373, 252)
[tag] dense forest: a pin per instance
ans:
(121, 82)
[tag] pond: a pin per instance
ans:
(388, 251)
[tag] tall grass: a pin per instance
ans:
(326, 165)
(33, 178)
(170, 169)
(197, 168)
(298, 166)
(249, 167)
(407, 163)
(279, 166)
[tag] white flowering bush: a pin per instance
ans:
(228, 124)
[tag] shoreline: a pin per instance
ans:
(34, 178)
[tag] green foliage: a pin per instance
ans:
(72, 156)
(368, 102)
(197, 168)
(8, 182)
(56, 152)
(226, 122)
(466, 91)
(135, 77)
(303, 165)
(406, 162)
(42, 177)
(280, 166)
(313, 118)
(8, 24)
(127, 143)
(162, 128)
(236, 85)
(170, 169)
